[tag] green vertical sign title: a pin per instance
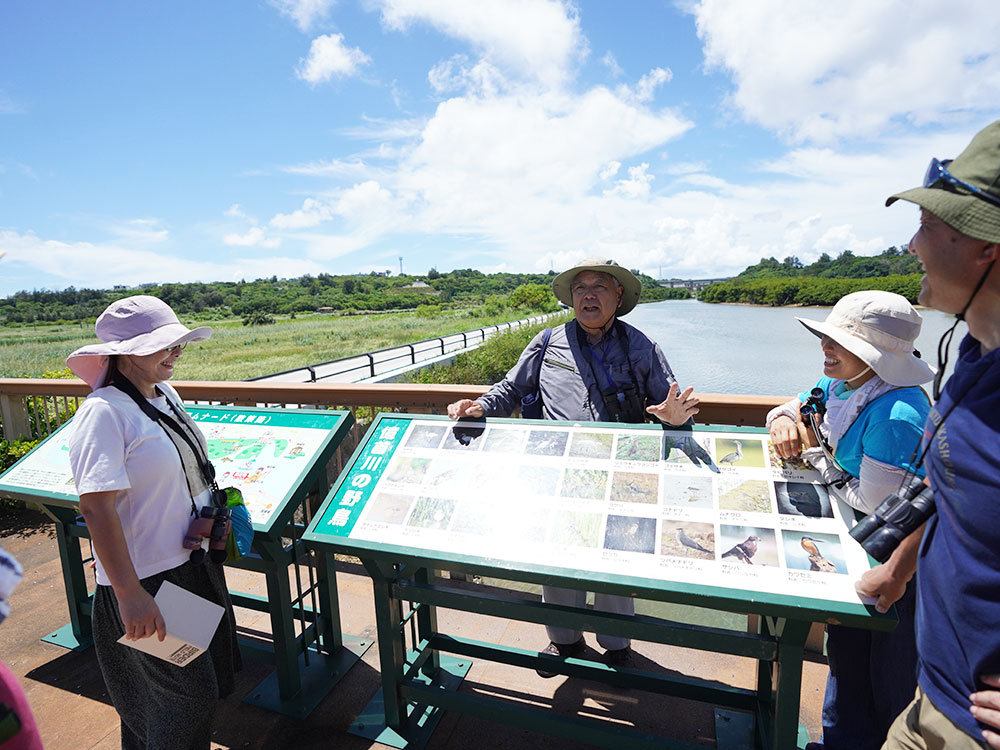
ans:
(356, 488)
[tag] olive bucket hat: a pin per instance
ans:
(562, 285)
(964, 193)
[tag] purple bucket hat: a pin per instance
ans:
(137, 325)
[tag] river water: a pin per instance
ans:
(753, 350)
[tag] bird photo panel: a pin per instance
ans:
(703, 507)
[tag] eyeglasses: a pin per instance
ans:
(936, 173)
(175, 348)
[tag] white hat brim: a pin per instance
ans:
(902, 369)
(90, 363)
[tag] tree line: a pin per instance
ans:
(256, 300)
(790, 282)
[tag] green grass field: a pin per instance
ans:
(237, 352)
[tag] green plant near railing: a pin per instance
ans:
(489, 363)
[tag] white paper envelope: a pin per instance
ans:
(191, 622)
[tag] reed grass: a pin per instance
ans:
(238, 352)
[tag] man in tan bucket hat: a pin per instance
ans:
(596, 369)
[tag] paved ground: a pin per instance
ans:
(67, 693)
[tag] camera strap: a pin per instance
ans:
(170, 424)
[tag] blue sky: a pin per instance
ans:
(182, 141)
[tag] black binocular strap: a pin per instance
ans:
(588, 354)
(127, 387)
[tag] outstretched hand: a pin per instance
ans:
(677, 408)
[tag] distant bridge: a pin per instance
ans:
(692, 284)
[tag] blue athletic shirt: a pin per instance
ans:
(887, 429)
(958, 586)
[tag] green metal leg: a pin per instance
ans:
(279, 594)
(427, 625)
(328, 634)
(78, 635)
(791, 646)
(392, 653)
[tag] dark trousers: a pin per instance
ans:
(872, 679)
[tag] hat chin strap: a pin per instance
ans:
(863, 372)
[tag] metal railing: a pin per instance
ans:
(35, 407)
(356, 367)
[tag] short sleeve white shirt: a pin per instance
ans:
(114, 446)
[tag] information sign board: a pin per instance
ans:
(703, 507)
(267, 453)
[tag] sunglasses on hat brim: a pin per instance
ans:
(936, 172)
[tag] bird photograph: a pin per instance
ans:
(635, 487)
(503, 440)
(687, 491)
(748, 495)
(803, 499)
(689, 539)
(739, 453)
(591, 445)
(630, 534)
(425, 436)
(546, 443)
(748, 545)
(638, 448)
(815, 551)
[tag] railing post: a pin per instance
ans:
(14, 414)
(371, 364)
(413, 354)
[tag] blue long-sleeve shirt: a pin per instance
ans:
(571, 385)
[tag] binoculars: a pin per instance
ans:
(895, 518)
(213, 524)
(624, 406)
(815, 404)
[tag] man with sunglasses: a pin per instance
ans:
(958, 551)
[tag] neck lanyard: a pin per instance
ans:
(127, 387)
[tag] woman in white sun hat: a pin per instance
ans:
(874, 420)
(140, 481)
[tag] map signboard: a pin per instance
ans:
(268, 453)
(707, 507)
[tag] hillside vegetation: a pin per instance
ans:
(789, 282)
(256, 302)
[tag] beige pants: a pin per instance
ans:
(922, 726)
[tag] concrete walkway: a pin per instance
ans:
(67, 692)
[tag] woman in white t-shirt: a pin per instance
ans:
(140, 484)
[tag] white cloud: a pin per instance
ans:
(818, 71)
(312, 213)
(644, 90)
(254, 238)
(637, 184)
(533, 40)
(103, 265)
(329, 57)
(304, 12)
(235, 211)
(609, 170)
(611, 63)
(139, 231)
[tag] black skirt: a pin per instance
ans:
(163, 706)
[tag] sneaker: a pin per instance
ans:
(620, 658)
(562, 650)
